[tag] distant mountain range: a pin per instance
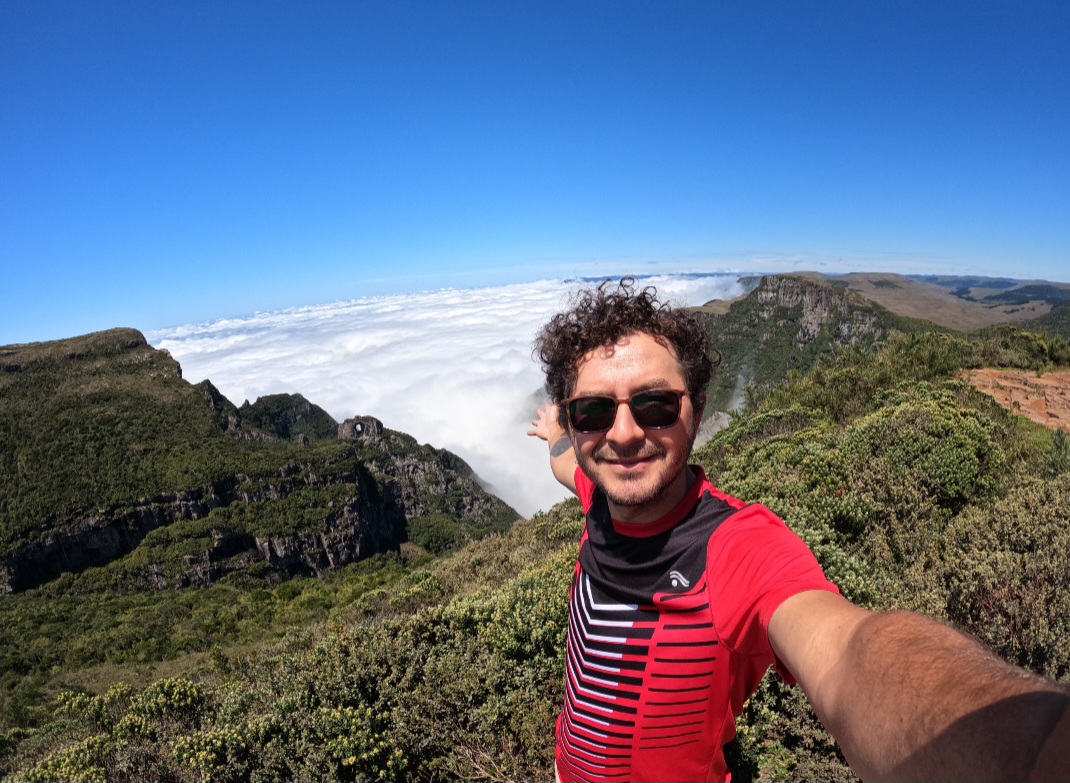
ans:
(959, 302)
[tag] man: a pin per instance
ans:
(683, 596)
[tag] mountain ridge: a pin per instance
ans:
(786, 322)
(105, 443)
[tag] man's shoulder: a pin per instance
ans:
(711, 495)
(585, 488)
(738, 518)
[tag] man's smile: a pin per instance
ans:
(608, 456)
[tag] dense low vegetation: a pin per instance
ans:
(450, 669)
(914, 490)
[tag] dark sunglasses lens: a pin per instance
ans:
(592, 414)
(656, 408)
(653, 408)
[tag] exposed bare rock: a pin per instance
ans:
(360, 427)
(808, 309)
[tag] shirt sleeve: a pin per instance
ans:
(755, 563)
(584, 489)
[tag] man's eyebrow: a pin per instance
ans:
(647, 385)
(658, 383)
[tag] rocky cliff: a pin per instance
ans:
(809, 311)
(788, 322)
(111, 461)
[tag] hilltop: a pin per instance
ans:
(786, 323)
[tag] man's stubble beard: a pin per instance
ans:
(646, 449)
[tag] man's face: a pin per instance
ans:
(640, 470)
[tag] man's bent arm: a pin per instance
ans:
(910, 699)
(547, 426)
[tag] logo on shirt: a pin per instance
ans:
(679, 579)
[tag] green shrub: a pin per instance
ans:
(83, 762)
(1007, 575)
(437, 533)
(530, 616)
(1057, 461)
(561, 524)
(177, 698)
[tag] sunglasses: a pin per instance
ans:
(655, 408)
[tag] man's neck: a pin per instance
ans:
(658, 507)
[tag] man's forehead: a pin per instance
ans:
(645, 359)
(609, 349)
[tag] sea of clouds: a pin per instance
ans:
(451, 367)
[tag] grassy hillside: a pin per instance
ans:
(121, 484)
(97, 421)
(913, 489)
(1055, 323)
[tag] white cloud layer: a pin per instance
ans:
(452, 368)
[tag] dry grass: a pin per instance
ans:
(917, 299)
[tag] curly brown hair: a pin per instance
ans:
(605, 314)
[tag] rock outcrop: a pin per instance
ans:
(808, 309)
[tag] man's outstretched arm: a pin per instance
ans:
(910, 699)
(547, 426)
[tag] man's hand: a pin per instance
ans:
(910, 699)
(547, 426)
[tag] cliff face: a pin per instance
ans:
(364, 524)
(98, 539)
(110, 460)
(809, 311)
(788, 322)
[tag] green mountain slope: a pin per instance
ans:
(787, 323)
(1055, 323)
(111, 459)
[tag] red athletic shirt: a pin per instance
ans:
(668, 633)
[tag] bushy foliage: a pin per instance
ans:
(1006, 346)
(441, 533)
(913, 490)
(467, 689)
(1006, 572)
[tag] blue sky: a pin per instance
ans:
(166, 163)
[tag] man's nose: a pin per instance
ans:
(625, 429)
